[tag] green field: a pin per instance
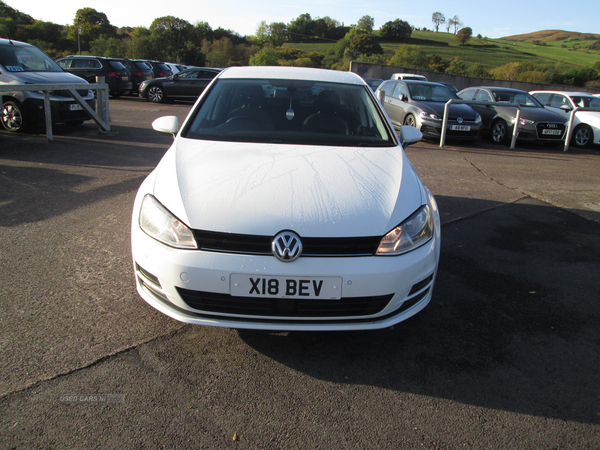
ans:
(549, 47)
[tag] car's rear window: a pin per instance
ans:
(289, 112)
(117, 65)
(17, 58)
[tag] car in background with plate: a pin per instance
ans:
(586, 124)
(421, 104)
(535, 124)
(22, 63)
(115, 74)
(286, 202)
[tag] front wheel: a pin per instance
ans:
(155, 94)
(499, 132)
(583, 136)
(410, 120)
(13, 117)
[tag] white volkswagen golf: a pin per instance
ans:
(286, 202)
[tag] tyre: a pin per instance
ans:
(115, 94)
(583, 136)
(410, 120)
(155, 94)
(499, 132)
(13, 117)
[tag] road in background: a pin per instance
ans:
(506, 356)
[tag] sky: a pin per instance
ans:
(490, 19)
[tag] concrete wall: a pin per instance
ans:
(368, 70)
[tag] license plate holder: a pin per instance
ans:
(294, 287)
(460, 127)
(551, 132)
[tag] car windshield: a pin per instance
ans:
(17, 58)
(430, 93)
(586, 102)
(289, 112)
(521, 98)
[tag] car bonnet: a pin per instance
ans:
(261, 189)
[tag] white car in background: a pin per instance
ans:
(586, 123)
(286, 202)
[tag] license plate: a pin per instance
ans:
(325, 288)
(552, 132)
(460, 127)
(75, 107)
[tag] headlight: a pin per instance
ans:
(410, 234)
(426, 115)
(523, 122)
(157, 222)
(478, 119)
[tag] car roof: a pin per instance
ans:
(4, 41)
(569, 93)
(294, 73)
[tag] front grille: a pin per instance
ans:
(293, 308)
(551, 126)
(261, 245)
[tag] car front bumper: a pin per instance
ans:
(377, 291)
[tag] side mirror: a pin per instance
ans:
(409, 135)
(381, 96)
(166, 124)
(402, 97)
(566, 108)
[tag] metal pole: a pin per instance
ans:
(513, 142)
(569, 133)
(445, 122)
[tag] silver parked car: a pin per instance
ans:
(421, 104)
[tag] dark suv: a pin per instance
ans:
(139, 70)
(117, 76)
(22, 63)
(159, 69)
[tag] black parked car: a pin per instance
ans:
(139, 70)
(421, 104)
(536, 123)
(159, 69)
(116, 75)
(185, 85)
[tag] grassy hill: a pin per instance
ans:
(568, 49)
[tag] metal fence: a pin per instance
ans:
(101, 116)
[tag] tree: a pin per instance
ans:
(463, 35)
(438, 19)
(454, 22)
(410, 56)
(301, 28)
(365, 44)
(265, 57)
(366, 23)
(93, 25)
(274, 34)
(398, 29)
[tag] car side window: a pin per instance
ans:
(389, 88)
(65, 63)
(558, 101)
(206, 75)
(469, 94)
(400, 89)
(80, 64)
(483, 96)
(543, 98)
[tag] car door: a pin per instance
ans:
(487, 112)
(395, 107)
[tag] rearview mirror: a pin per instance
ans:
(166, 124)
(409, 135)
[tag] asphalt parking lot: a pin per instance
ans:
(506, 356)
